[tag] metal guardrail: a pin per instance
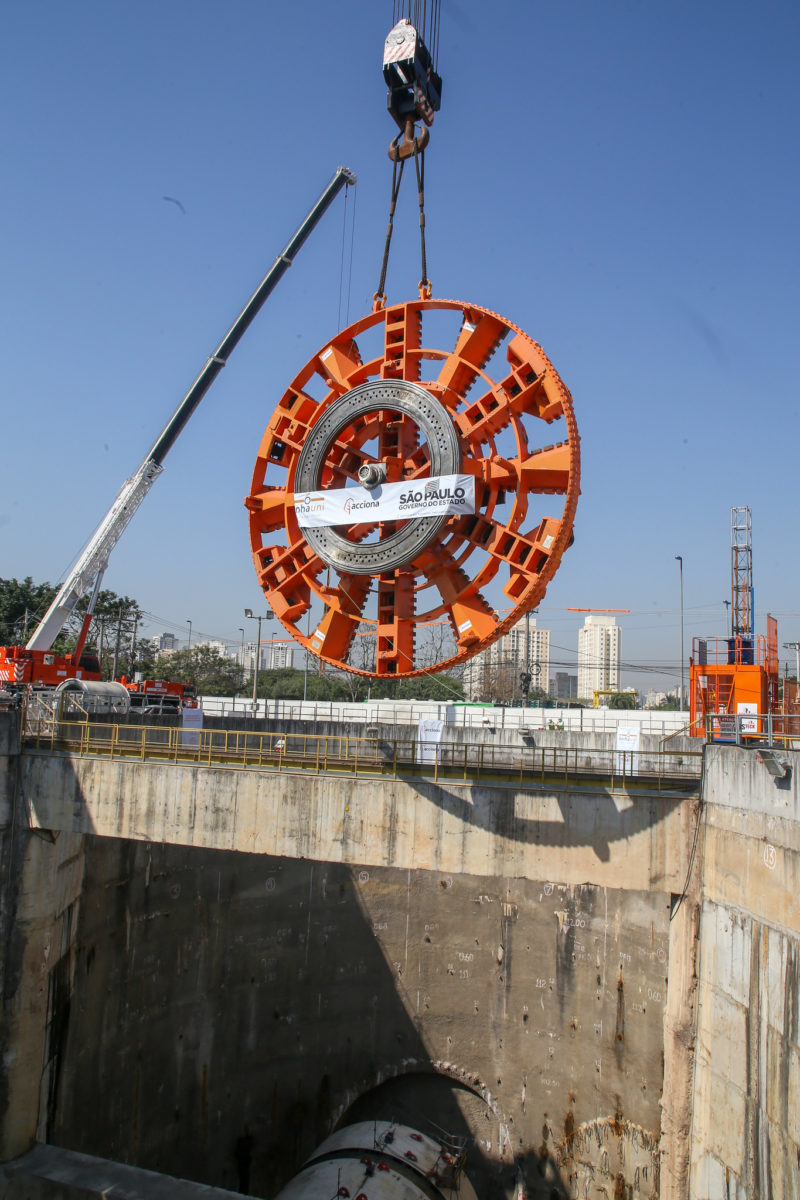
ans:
(370, 756)
(750, 729)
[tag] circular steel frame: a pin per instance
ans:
(415, 408)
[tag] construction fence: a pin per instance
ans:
(470, 762)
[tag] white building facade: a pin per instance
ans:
(599, 648)
(281, 655)
(273, 657)
(496, 670)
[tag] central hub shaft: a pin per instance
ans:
(435, 428)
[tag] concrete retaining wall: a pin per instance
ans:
(569, 836)
(229, 1009)
(746, 1125)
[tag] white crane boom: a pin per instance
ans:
(88, 572)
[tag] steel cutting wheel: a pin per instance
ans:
(406, 597)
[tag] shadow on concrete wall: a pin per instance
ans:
(226, 1011)
(596, 819)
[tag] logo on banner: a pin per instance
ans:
(309, 504)
(351, 505)
(433, 495)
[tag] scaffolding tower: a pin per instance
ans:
(742, 572)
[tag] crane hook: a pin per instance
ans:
(409, 142)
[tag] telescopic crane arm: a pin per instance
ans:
(88, 572)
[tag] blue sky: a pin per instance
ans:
(620, 180)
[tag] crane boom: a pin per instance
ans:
(598, 610)
(92, 563)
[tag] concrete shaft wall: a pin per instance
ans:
(573, 836)
(494, 960)
(746, 1124)
(231, 1009)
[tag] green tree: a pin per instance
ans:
(23, 603)
(210, 671)
(622, 700)
(147, 651)
(113, 632)
(442, 687)
(286, 683)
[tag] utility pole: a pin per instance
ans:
(248, 612)
(116, 644)
(680, 563)
(102, 623)
(305, 671)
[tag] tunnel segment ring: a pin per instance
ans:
(404, 544)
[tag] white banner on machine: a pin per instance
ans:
(441, 495)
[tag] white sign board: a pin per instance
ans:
(191, 720)
(440, 495)
(429, 735)
(626, 760)
(748, 725)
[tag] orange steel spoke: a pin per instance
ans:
(334, 635)
(342, 463)
(268, 508)
(479, 337)
(283, 573)
(497, 472)
(401, 359)
(395, 631)
(547, 470)
(472, 618)
(338, 363)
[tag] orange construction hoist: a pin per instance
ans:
(736, 675)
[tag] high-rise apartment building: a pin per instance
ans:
(273, 656)
(281, 655)
(564, 686)
(599, 646)
(495, 672)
